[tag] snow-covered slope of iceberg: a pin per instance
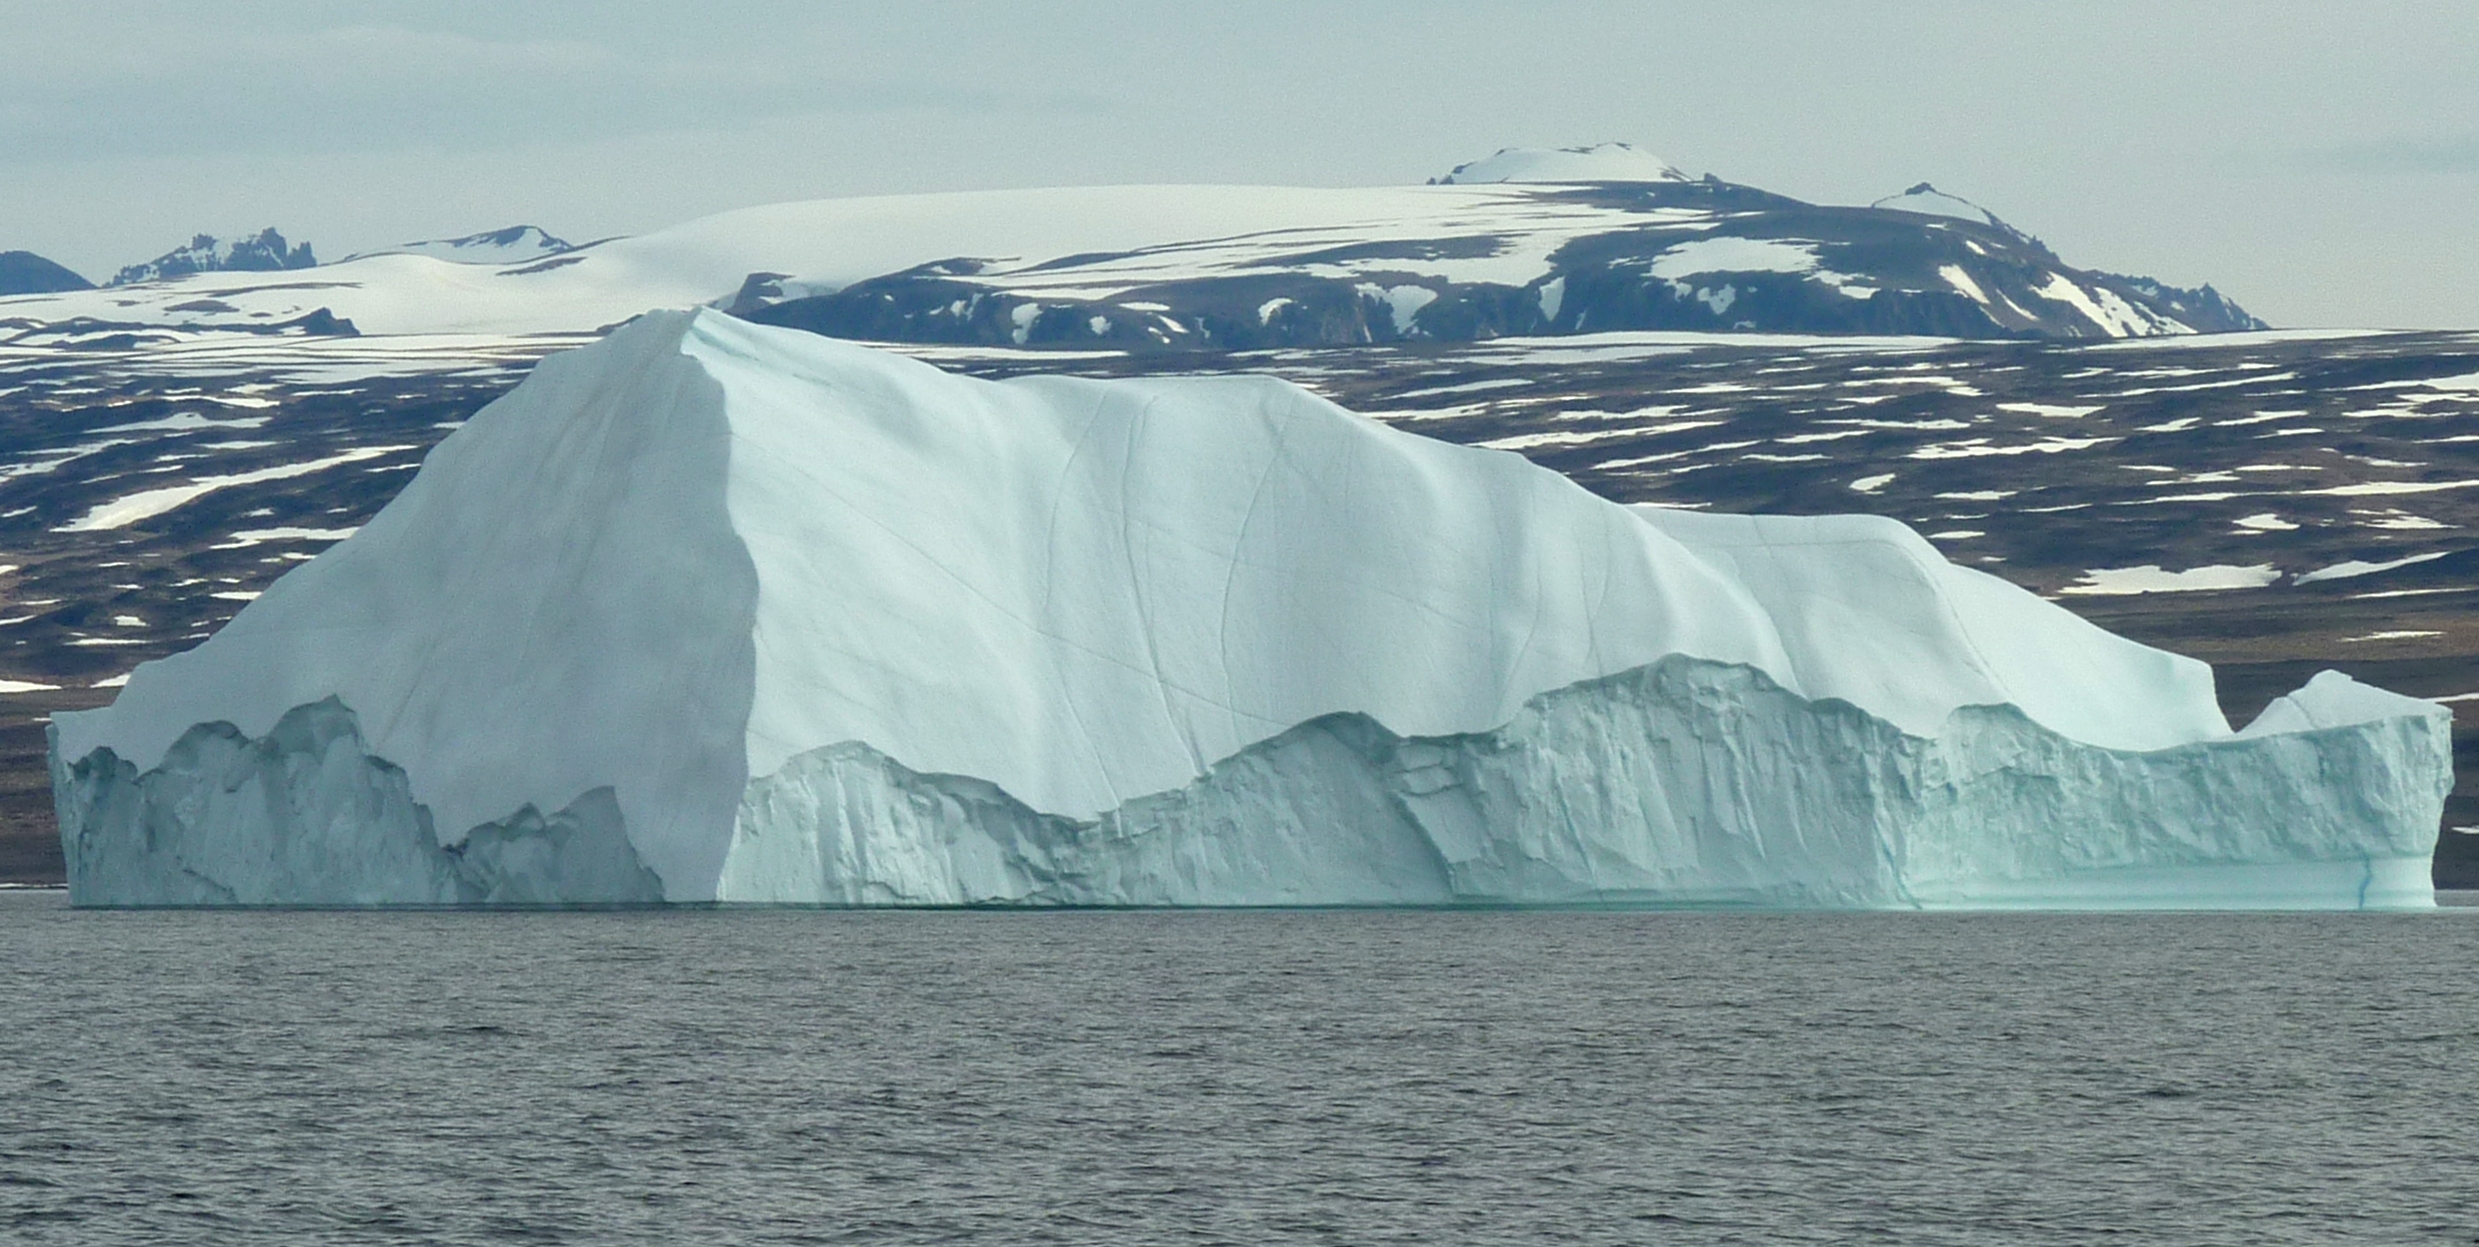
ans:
(756, 615)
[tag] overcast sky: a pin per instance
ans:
(2317, 161)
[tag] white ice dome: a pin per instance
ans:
(516, 244)
(1601, 162)
(1927, 200)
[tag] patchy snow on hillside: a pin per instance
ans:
(2151, 578)
(1139, 234)
(1549, 223)
(2354, 568)
(1733, 255)
(1956, 277)
(2113, 315)
(148, 504)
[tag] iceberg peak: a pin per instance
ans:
(761, 615)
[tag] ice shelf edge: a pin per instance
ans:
(1684, 782)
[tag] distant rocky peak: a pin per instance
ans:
(515, 244)
(262, 252)
(1601, 162)
(24, 272)
(516, 236)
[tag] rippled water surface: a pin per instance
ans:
(1321, 1077)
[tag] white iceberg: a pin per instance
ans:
(715, 612)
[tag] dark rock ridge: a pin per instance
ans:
(24, 272)
(1689, 255)
(87, 333)
(2200, 306)
(263, 252)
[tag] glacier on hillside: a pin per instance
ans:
(763, 617)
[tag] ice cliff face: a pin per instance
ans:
(306, 816)
(766, 617)
(1684, 782)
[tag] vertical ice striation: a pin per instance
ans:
(767, 617)
(1685, 782)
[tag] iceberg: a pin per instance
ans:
(715, 612)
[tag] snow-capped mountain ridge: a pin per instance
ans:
(262, 252)
(1543, 258)
(1527, 252)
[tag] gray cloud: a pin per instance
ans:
(392, 88)
(2407, 155)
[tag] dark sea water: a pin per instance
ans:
(1312, 1077)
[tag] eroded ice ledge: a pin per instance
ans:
(1685, 782)
(305, 815)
